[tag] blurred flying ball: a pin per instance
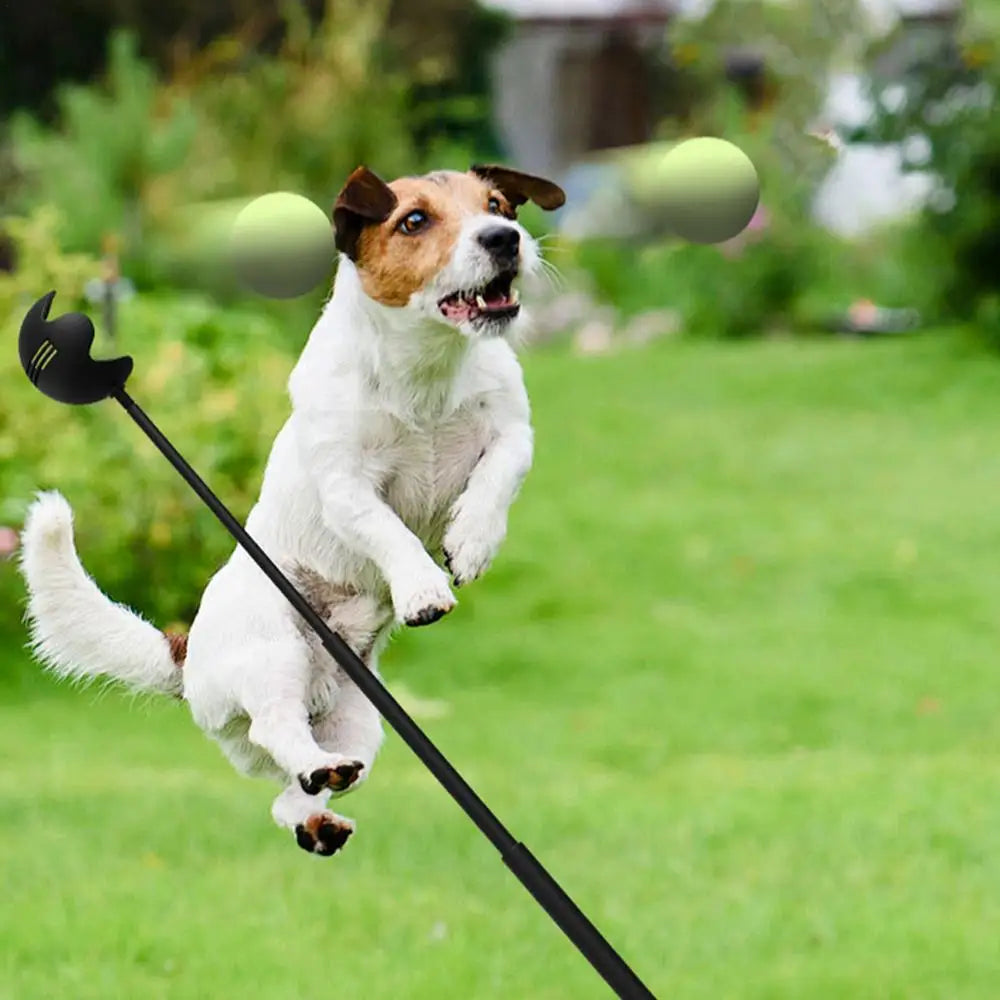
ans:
(281, 245)
(705, 190)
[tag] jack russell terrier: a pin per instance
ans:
(408, 440)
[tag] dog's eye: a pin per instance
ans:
(494, 206)
(413, 223)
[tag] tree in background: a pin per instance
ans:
(113, 142)
(450, 107)
(447, 67)
(68, 40)
(937, 98)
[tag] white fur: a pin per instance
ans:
(76, 630)
(407, 443)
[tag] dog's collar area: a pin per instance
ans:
(497, 299)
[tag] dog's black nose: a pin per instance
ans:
(502, 242)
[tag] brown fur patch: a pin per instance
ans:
(322, 595)
(178, 646)
(393, 265)
(519, 187)
(364, 199)
(357, 618)
(314, 822)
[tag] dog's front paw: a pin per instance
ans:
(324, 833)
(471, 544)
(424, 599)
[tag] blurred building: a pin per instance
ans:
(577, 76)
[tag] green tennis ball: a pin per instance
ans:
(281, 245)
(705, 190)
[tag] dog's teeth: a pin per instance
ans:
(514, 296)
(481, 302)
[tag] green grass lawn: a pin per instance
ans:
(734, 679)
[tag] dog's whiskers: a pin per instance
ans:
(553, 277)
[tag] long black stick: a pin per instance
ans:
(567, 915)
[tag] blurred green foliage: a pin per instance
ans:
(449, 107)
(127, 153)
(214, 379)
(945, 112)
(112, 145)
(300, 120)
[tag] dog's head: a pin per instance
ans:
(446, 246)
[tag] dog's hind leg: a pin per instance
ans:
(351, 727)
(344, 721)
(274, 692)
(317, 829)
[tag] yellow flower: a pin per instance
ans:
(159, 534)
(220, 404)
(686, 54)
(977, 54)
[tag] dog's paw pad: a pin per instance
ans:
(419, 602)
(337, 778)
(426, 616)
(324, 834)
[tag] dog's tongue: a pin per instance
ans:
(457, 309)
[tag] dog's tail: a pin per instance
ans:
(78, 632)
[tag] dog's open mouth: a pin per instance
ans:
(497, 300)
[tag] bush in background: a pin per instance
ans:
(944, 115)
(449, 105)
(68, 40)
(127, 154)
(113, 143)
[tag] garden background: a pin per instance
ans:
(733, 677)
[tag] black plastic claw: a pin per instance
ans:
(55, 355)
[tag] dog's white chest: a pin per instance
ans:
(423, 471)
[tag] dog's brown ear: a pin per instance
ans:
(365, 199)
(518, 187)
